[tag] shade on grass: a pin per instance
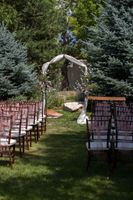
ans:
(55, 169)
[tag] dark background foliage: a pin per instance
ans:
(109, 48)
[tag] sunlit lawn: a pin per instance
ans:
(55, 169)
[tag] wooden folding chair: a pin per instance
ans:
(7, 144)
(98, 135)
(19, 128)
(123, 136)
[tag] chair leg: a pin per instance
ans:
(41, 128)
(35, 133)
(10, 156)
(43, 125)
(27, 139)
(88, 160)
(109, 156)
(114, 162)
(20, 147)
(23, 143)
(30, 138)
(38, 133)
(13, 154)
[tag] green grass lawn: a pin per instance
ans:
(55, 169)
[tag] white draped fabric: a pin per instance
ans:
(60, 57)
(82, 118)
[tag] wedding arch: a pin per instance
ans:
(82, 117)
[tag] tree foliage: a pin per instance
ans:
(79, 15)
(109, 48)
(37, 25)
(82, 13)
(8, 15)
(16, 77)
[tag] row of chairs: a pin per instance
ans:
(110, 129)
(20, 123)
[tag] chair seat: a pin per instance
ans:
(97, 145)
(29, 128)
(4, 142)
(15, 133)
(39, 120)
(125, 145)
(102, 137)
(31, 123)
(125, 137)
(36, 122)
(120, 132)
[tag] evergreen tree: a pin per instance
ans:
(109, 48)
(16, 77)
(37, 25)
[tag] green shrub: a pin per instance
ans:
(54, 100)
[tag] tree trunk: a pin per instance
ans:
(64, 72)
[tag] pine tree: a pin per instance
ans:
(109, 48)
(16, 77)
(37, 24)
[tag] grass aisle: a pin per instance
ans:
(54, 169)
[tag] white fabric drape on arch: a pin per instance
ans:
(82, 117)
